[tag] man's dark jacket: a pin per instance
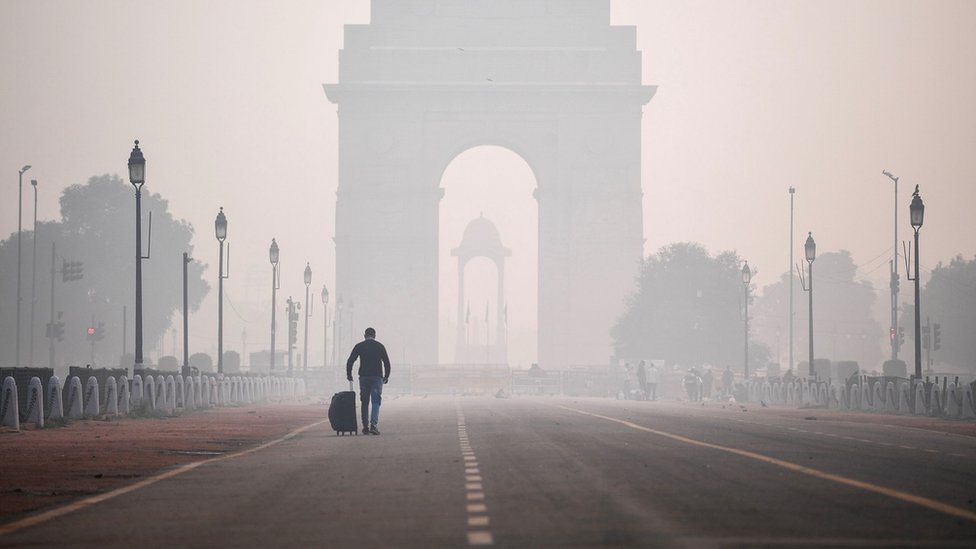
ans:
(373, 360)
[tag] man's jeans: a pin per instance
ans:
(370, 388)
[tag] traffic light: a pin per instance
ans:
(901, 336)
(90, 334)
(59, 331)
(72, 270)
(936, 336)
(100, 332)
(892, 337)
(895, 282)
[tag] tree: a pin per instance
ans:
(202, 362)
(98, 228)
(844, 325)
(232, 362)
(949, 299)
(687, 309)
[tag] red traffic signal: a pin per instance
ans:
(91, 331)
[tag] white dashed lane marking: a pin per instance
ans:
(478, 520)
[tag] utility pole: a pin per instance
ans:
(894, 283)
(792, 192)
(33, 278)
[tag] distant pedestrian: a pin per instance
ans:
(627, 382)
(642, 380)
(652, 381)
(693, 384)
(707, 384)
(727, 378)
(374, 372)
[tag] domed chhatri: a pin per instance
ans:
(481, 238)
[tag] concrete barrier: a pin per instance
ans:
(9, 404)
(161, 392)
(170, 394)
(920, 398)
(149, 397)
(92, 403)
(936, 401)
(968, 402)
(111, 397)
(35, 402)
(180, 392)
(55, 403)
(137, 395)
(204, 392)
(188, 393)
(124, 396)
(904, 398)
(865, 395)
(891, 398)
(953, 401)
(75, 398)
(854, 399)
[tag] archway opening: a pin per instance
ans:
(495, 183)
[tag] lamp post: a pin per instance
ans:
(137, 176)
(337, 332)
(893, 284)
(917, 212)
(325, 327)
(186, 322)
(792, 192)
(810, 250)
(746, 278)
(273, 254)
(20, 200)
(308, 313)
(220, 230)
(33, 277)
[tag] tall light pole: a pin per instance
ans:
(20, 204)
(746, 279)
(220, 229)
(325, 327)
(273, 254)
(137, 176)
(33, 278)
(792, 192)
(308, 313)
(337, 333)
(186, 320)
(917, 212)
(810, 250)
(894, 282)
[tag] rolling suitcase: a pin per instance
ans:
(342, 412)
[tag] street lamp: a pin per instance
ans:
(20, 200)
(33, 277)
(917, 212)
(186, 321)
(893, 283)
(137, 176)
(220, 230)
(325, 327)
(792, 192)
(308, 313)
(273, 254)
(746, 278)
(810, 249)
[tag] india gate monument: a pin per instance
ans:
(550, 80)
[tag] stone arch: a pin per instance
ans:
(553, 82)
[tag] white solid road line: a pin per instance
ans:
(89, 501)
(840, 479)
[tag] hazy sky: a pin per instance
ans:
(754, 96)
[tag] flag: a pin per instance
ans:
(467, 315)
(505, 313)
(486, 313)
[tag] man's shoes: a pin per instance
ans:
(365, 430)
(373, 430)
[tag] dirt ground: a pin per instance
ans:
(41, 468)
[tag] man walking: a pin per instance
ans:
(374, 372)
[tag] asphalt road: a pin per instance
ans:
(552, 472)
